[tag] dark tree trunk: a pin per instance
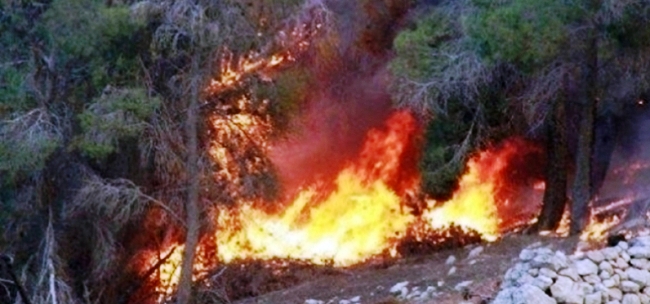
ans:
(192, 211)
(556, 168)
(605, 130)
(582, 184)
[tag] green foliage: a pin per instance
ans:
(288, 92)
(13, 94)
(103, 42)
(448, 139)
(25, 144)
(414, 47)
(632, 30)
(17, 29)
(19, 160)
(118, 114)
(528, 33)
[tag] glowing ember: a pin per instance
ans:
(597, 230)
(565, 222)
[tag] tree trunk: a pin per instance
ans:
(582, 184)
(556, 168)
(192, 207)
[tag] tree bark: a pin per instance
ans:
(556, 179)
(192, 206)
(582, 184)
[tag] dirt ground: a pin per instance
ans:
(373, 282)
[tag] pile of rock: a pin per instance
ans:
(617, 274)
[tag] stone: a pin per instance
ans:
(518, 275)
(639, 252)
(631, 298)
(463, 285)
(475, 252)
(645, 299)
(640, 263)
(533, 271)
(641, 241)
(452, 270)
(561, 259)
(586, 267)
(413, 295)
(526, 294)
(623, 245)
(426, 296)
(594, 298)
(592, 279)
(542, 282)
(629, 286)
(553, 262)
(617, 279)
(579, 255)
(620, 263)
(646, 290)
(610, 253)
(621, 273)
(595, 256)
(526, 255)
(614, 302)
(615, 294)
(355, 299)
(604, 275)
(585, 287)
(565, 291)
(312, 301)
(547, 273)
(345, 302)
(609, 283)
(606, 266)
(399, 289)
(450, 260)
(571, 273)
(641, 277)
(626, 257)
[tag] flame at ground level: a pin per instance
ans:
(353, 223)
(360, 215)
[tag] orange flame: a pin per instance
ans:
(363, 214)
(355, 221)
(472, 206)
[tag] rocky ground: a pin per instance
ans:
(614, 275)
(474, 274)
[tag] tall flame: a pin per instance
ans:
(356, 220)
(363, 213)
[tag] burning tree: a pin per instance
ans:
(552, 64)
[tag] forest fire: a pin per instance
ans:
(364, 213)
(358, 219)
(371, 206)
